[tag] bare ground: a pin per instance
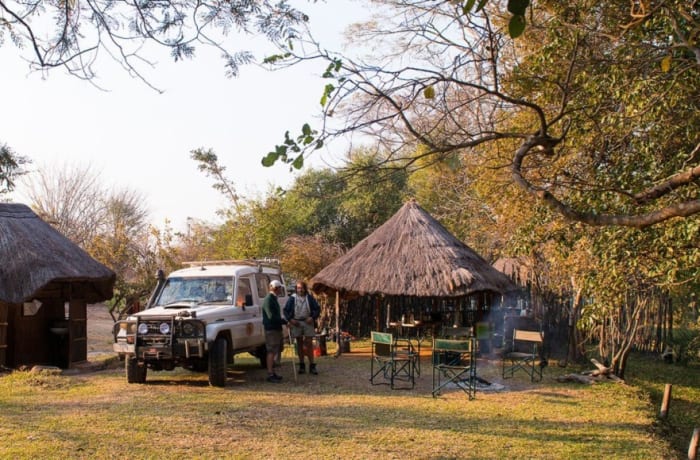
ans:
(99, 330)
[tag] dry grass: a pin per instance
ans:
(336, 414)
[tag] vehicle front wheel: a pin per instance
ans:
(134, 372)
(217, 363)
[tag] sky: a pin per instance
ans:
(137, 138)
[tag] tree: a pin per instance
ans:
(76, 35)
(304, 256)
(337, 207)
(373, 192)
(209, 165)
(597, 115)
(70, 198)
(10, 168)
(111, 225)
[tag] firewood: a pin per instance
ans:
(601, 367)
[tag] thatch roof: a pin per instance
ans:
(37, 259)
(518, 269)
(411, 254)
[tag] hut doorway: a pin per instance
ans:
(49, 332)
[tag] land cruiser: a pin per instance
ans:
(199, 318)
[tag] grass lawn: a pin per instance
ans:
(338, 414)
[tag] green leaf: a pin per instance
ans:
(429, 92)
(270, 159)
(298, 162)
(518, 7)
(306, 129)
(319, 144)
(281, 151)
(482, 4)
(516, 26)
(275, 57)
(468, 6)
(332, 67)
(326, 93)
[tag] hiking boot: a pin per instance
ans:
(302, 368)
(274, 378)
(312, 369)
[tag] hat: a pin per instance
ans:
(274, 284)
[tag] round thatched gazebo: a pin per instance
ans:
(46, 281)
(412, 256)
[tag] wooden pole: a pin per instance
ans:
(337, 323)
(377, 314)
(693, 448)
(666, 401)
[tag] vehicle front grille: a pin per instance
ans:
(154, 337)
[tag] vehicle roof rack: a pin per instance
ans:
(265, 262)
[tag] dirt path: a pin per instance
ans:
(99, 329)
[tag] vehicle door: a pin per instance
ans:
(248, 331)
(262, 286)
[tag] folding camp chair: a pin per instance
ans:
(391, 363)
(409, 346)
(456, 332)
(522, 355)
(454, 362)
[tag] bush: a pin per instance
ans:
(686, 345)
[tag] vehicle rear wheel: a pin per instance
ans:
(217, 363)
(134, 372)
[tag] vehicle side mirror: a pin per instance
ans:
(248, 300)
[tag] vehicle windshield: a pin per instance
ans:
(196, 290)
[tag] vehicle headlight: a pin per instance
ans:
(143, 328)
(188, 329)
(164, 328)
(131, 328)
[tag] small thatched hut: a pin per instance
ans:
(421, 266)
(46, 282)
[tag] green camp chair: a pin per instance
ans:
(522, 354)
(454, 363)
(391, 363)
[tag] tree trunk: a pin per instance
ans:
(574, 353)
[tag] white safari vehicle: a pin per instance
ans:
(199, 318)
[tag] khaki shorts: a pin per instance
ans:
(305, 329)
(273, 341)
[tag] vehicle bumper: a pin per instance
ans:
(182, 349)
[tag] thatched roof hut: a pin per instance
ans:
(38, 260)
(46, 282)
(411, 254)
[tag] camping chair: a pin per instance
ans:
(391, 363)
(410, 346)
(454, 362)
(456, 332)
(522, 355)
